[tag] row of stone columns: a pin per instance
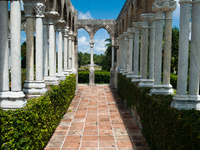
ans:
(148, 60)
(46, 27)
(165, 8)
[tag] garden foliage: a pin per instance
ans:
(31, 127)
(164, 127)
(100, 77)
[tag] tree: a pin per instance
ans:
(106, 61)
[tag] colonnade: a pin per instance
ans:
(157, 47)
(47, 24)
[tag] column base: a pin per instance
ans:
(121, 71)
(130, 74)
(146, 82)
(136, 78)
(118, 69)
(12, 100)
(186, 102)
(125, 72)
(91, 76)
(61, 76)
(165, 89)
(51, 81)
(34, 87)
(74, 71)
(66, 73)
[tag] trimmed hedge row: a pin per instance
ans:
(100, 77)
(163, 127)
(31, 127)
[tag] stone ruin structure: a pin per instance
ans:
(137, 47)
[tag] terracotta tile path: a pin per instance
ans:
(97, 120)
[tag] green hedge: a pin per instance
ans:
(31, 127)
(164, 128)
(100, 77)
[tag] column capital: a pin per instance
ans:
(91, 43)
(70, 35)
(66, 31)
(39, 8)
(60, 24)
(28, 9)
(137, 26)
(131, 32)
(125, 35)
(184, 1)
(164, 6)
(147, 17)
(51, 17)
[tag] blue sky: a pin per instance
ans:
(101, 9)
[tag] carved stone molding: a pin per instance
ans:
(39, 9)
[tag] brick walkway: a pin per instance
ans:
(97, 120)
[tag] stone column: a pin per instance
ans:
(73, 54)
(167, 87)
(125, 53)
(112, 64)
(157, 87)
(51, 79)
(112, 69)
(159, 7)
(39, 86)
(122, 53)
(14, 99)
(45, 48)
(137, 28)
(70, 51)
(60, 26)
(147, 19)
(29, 9)
(118, 54)
(152, 49)
(181, 97)
(130, 69)
(92, 76)
(66, 30)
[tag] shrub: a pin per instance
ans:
(32, 126)
(163, 127)
(100, 77)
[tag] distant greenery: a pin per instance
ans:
(103, 60)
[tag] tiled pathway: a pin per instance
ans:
(97, 120)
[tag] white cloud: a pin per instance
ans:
(99, 46)
(176, 13)
(87, 15)
(83, 41)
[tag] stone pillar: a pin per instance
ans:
(125, 43)
(70, 51)
(14, 99)
(157, 87)
(122, 53)
(159, 7)
(45, 49)
(73, 54)
(118, 54)
(51, 79)
(152, 49)
(181, 100)
(66, 30)
(92, 76)
(145, 81)
(60, 26)
(112, 64)
(137, 28)
(39, 86)
(29, 9)
(130, 69)
(112, 69)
